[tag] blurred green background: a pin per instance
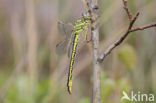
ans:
(31, 72)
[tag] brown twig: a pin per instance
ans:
(129, 30)
(127, 10)
(143, 27)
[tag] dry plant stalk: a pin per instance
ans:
(95, 45)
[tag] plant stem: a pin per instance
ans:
(95, 44)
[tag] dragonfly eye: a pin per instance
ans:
(85, 16)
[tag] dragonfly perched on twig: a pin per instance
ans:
(72, 33)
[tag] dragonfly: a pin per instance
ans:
(72, 33)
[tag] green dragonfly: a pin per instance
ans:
(72, 33)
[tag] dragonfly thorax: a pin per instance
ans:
(79, 25)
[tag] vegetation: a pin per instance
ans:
(32, 72)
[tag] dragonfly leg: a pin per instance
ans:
(86, 33)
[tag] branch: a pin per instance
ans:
(93, 11)
(127, 10)
(129, 30)
(143, 27)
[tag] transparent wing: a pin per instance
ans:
(70, 45)
(63, 46)
(65, 28)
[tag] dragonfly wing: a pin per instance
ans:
(61, 47)
(65, 28)
(70, 45)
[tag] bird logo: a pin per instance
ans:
(125, 96)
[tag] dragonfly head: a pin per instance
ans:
(86, 16)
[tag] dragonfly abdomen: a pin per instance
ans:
(75, 42)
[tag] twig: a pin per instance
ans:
(129, 30)
(86, 4)
(143, 27)
(95, 44)
(127, 10)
